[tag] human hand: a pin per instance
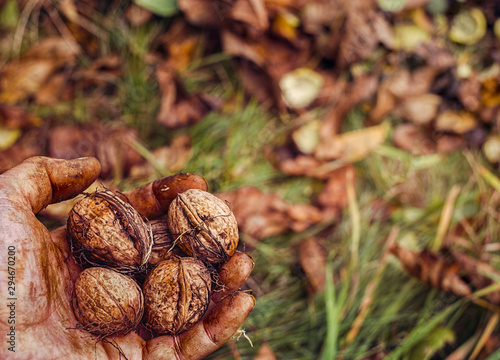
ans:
(40, 320)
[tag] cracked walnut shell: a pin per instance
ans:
(204, 226)
(104, 230)
(106, 302)
(176, 294)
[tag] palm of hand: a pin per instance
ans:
(43, 321)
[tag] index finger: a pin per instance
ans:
(153, 199)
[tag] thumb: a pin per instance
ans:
(40, 181)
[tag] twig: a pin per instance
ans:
(445, 220)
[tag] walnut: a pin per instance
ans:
(176, 294)
(106, 302)
(204, 226)
(104, 230)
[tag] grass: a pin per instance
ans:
(233, 147)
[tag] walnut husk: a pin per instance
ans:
(176, 295)
(104, 230)
(204, 226)
(106, 302)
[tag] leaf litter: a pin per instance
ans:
(276, 103)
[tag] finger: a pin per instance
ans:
(40, 181)
(206, 336)
(153, 199)
(232, 274)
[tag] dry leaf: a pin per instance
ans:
(205, 13)
(137, 15)
(312, 259)
(253, 13)
(333, 197)
(476, 271)
(432, 270)
(22, 78)
(265, 353)
(108, 144)
(454, 121)
(261, 215)
(420, 109)
(179, 109)
(354, 145)
(412, 138)
(171, 158)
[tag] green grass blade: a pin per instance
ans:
(332, 318)
(420, 332)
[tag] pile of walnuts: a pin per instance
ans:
(159, 273)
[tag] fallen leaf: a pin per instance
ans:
(179, 109)
(468, 93)
(300, 87)
(27, 146)
(456, 122)
(409, 37)
(420, 109)
(477, 272)
(107, 143)
(412, 138)
(23, 77)
(265, 353)
(491, 149)
(333, 197)
(172, 158)
(312, 259)
(204, 13)
(354, 145)
(252, 13)
(8, 137)
(137, 15)
(306, 137)
(432, 270)
(261, 215)
(468, 26)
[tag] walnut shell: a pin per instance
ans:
(106, 302)
(163, 242)
(204, 225)
(176, 294)
(106, 231)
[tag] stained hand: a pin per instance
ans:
(42, 318)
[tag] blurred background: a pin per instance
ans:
(357, 142)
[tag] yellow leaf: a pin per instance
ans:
(8, 137)
(354, 145)
(468, 26)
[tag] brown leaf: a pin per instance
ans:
(27, 146)
(333, 197)
(25, 76)
(171, 158)
(265, 353)
(312, 259)
(468, 93)
(179, 109)
(137, 15)
(420, 109)
(476, 271)
(354, 145)
(412, 138)
(108, 144)
(253, 13)
(205, 13)
(456, 122)
(261, 215)
(361, 89)
(14, 117)
(432, 270)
